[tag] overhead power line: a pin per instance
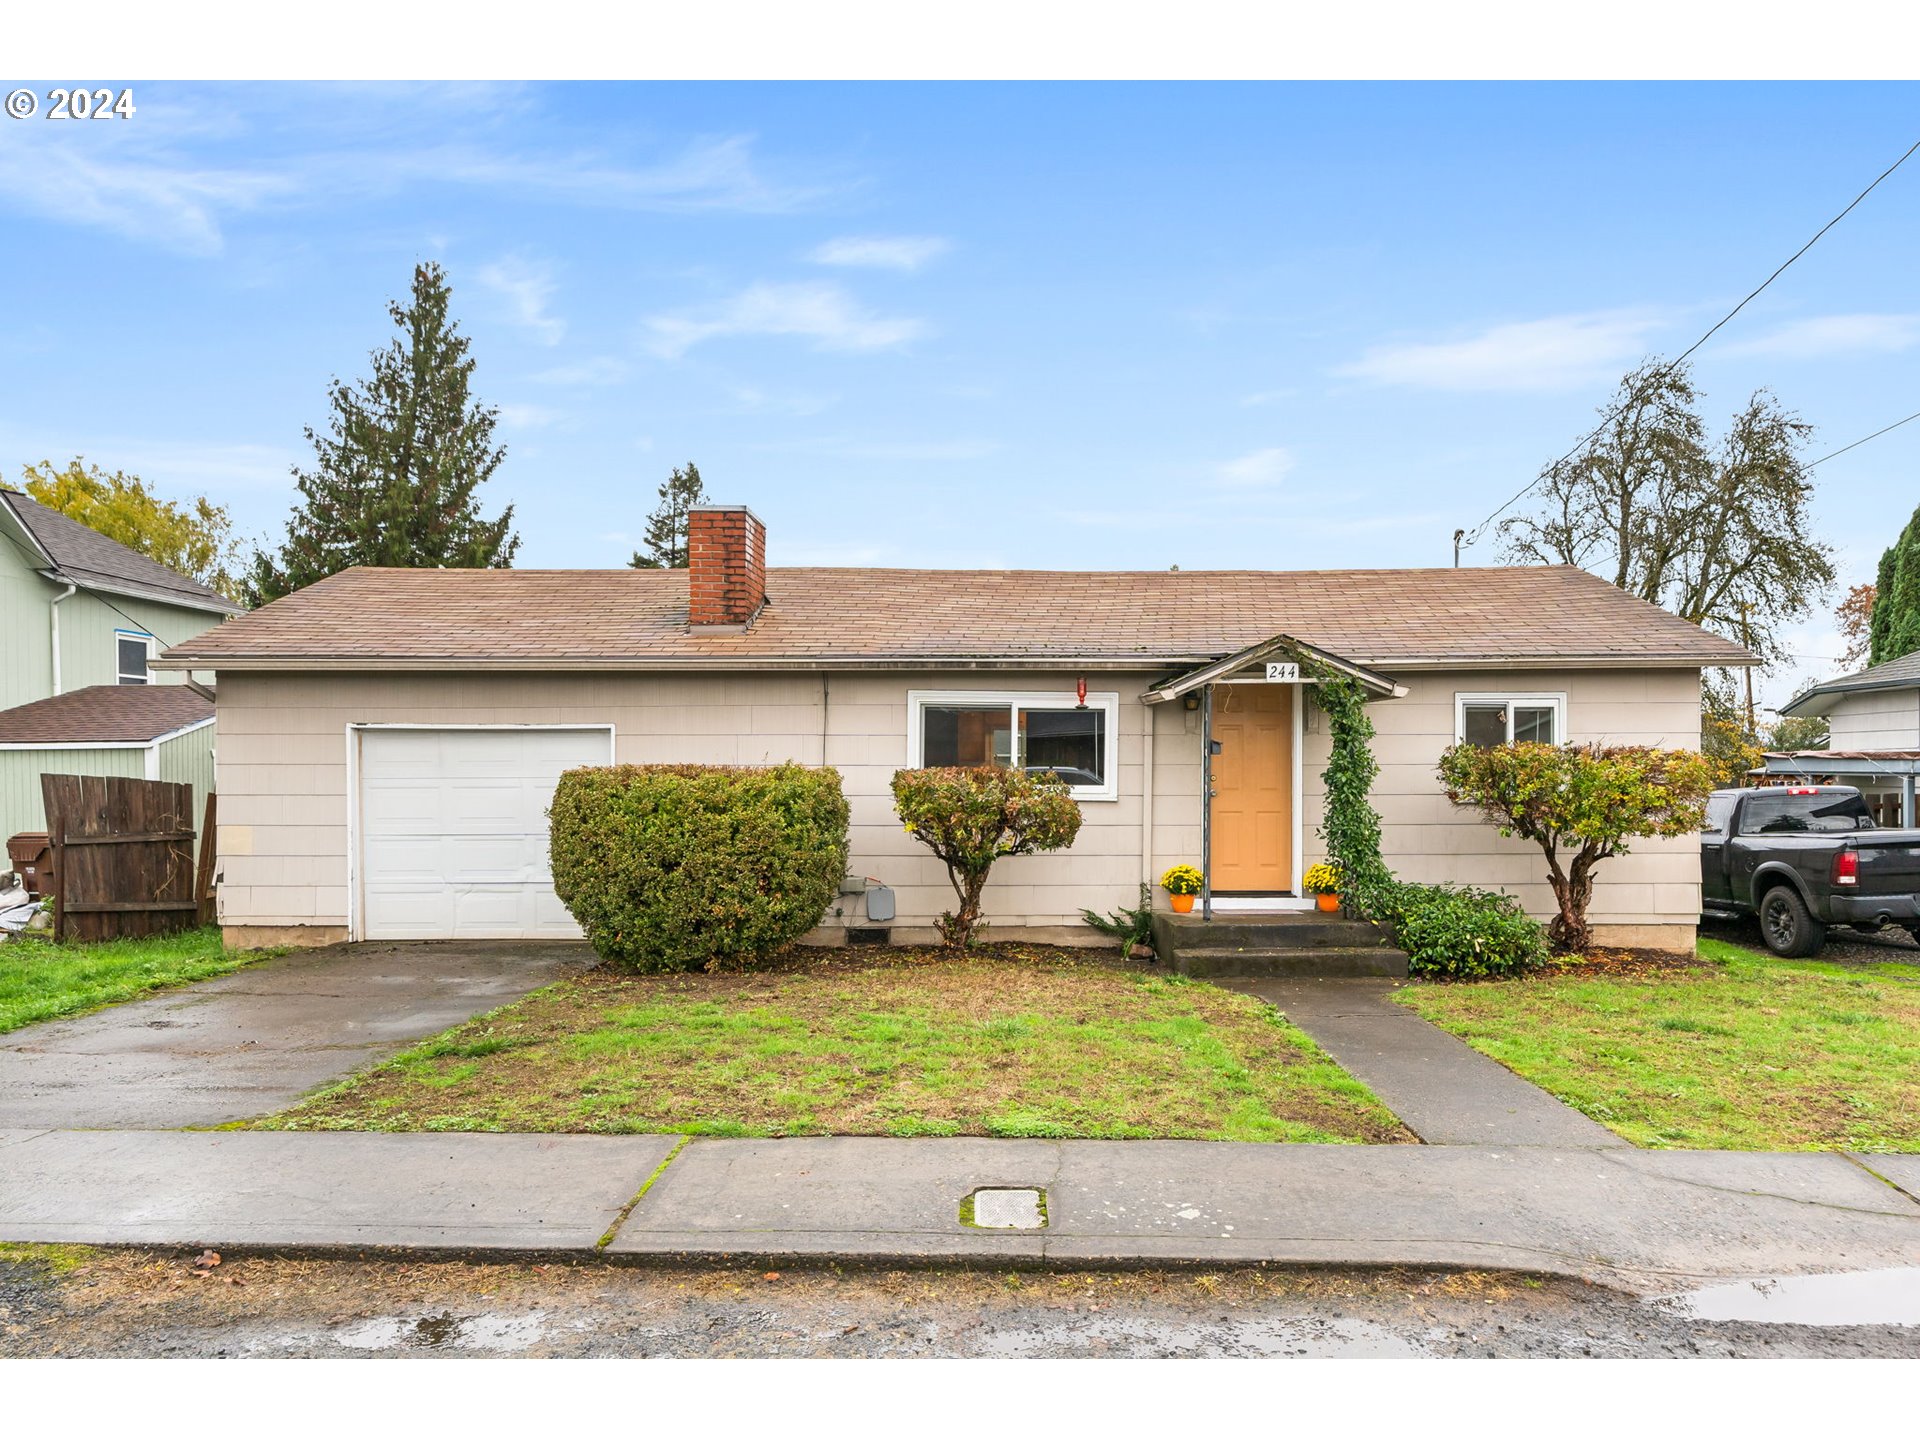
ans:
(1464, 538)
(1863, 440)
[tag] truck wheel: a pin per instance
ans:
(1785, 925)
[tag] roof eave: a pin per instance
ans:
(179, 658)
(1837, 688)
(92, 580)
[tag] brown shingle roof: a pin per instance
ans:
(91, 559)
(614, 618)
(104, 714)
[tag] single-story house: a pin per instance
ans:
(388, 740)
(1873, 736)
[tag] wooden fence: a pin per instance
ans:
(123, 852)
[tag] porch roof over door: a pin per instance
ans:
(1215, 671)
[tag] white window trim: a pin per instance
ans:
(1536, 699)
(1108, 702)
(119, 675)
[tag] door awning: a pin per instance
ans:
(1217, 671)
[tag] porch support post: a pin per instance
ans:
(1206, 802)
(1906, 801)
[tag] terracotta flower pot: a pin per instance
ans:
(1327, 902)
(1182, 904)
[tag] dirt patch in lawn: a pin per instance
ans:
(1617, 964)
(1013, 1040)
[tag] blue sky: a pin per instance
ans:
(1286, 325)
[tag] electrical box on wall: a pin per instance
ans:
(879, 903)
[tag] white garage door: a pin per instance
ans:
(453, 831)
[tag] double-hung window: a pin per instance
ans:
(1030, 730)
(134, 651)
(1517, 719)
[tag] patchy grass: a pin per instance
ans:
(52, 1259)
(1741, 1051)
(1015, 1041)
(40, 980)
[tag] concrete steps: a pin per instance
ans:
(1290, 945)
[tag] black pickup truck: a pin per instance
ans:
(1803, 857)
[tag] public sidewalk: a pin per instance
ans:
(1637, 1218)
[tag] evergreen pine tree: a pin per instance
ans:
(666, 537)
(1895, 626)
(396, 472)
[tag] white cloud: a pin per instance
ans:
(842, 447)
(174, 467)
(170, 178)
(1268, 397)
(881, 252)
(137, 191)
(597, 370)
(527, 417)
(527, 287)
(1557, 353)
(1823, 335)
(752, 400)
(825, 314)
(1256, 470)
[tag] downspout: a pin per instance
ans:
(1146, 795)
(1206, 802)
(53, 614)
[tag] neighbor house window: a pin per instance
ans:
(135, 650)
(1034, 731)
(1510, 719)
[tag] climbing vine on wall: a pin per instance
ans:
(1350, 825)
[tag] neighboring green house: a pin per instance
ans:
(81, 617)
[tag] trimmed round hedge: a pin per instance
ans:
(675, 867)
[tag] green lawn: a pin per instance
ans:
(42, 981)
(1015, 1041)
(1745, 1052)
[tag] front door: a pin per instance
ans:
(1253, 789)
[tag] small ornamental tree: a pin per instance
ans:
(972, 816)
(1580, 804)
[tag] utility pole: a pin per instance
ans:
(1746, 639)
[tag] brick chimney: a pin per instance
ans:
(726, 566)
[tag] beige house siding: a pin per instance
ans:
(1876, 720)
(283, 780)
(1426, 838)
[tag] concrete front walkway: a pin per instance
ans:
(1643, 1219)
(258, 1039)
(1445, 1091)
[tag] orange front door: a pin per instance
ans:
(1253, 788)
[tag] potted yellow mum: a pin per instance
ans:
(1182, 883)
(1324, 883)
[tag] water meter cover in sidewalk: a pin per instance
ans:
(1006, 1209)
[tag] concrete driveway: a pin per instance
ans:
(256, 1040)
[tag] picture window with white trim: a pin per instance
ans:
(1039, 731)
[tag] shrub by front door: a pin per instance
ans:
(1253, 789)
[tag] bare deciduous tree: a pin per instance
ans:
(1719, 535)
